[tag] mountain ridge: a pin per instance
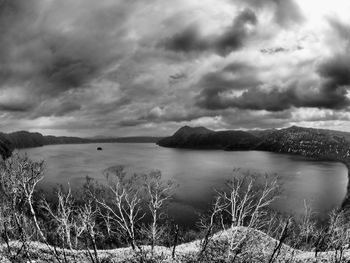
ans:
(203, 138)
(26, 139)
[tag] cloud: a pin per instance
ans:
(50, 52)
(336, 72)
(220, 90)
(113, 66)
(286, 12)
(231, 39)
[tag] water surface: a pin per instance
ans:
(198, 173)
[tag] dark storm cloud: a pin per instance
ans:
(214, 84)
(276, 99)
(233, 37)
(336, 71)
(15, 106)
(218, 91)
(66, 72)
(49, 52)
(115, 65)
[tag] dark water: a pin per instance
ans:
(198, 173)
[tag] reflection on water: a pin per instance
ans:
(199, 173)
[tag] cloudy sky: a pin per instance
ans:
(131, 67)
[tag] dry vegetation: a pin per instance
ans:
(127, 216)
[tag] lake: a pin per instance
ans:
(198, 173)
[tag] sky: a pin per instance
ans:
(148, 67)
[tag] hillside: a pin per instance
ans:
(202, 138)
(256, 247)
(315, 143)
(24, 139)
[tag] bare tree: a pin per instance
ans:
(124, 207)
(338, 234)
(176, 237)
(159, 193)
(86, 223)
(63, 215)
(246, 202)
(19, 177)
(18, 181)
(277, 249)
(76, 224)
(208, 226)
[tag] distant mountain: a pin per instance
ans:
(315, 143)
(187, 131)
(202, 138)
(25, 139)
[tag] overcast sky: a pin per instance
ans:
(132, 67)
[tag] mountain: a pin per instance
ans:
(315, 143)
(24, 139)
(203, 138)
